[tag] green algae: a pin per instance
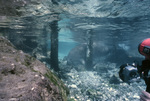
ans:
(71, 99)
(57, 82)
(28, 62)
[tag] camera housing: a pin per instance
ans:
(129, 73)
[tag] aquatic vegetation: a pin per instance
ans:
(55, 80)
(71, 99)
(28, 60)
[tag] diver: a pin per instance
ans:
(133, 72)
(144, 49)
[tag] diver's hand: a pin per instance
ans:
(145, 96)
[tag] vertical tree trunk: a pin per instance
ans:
(54, 45)
(89, 51)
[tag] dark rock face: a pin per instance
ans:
(23, 78)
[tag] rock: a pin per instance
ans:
(73, 86)
(114, 80)
(23, 78)
(91, 92)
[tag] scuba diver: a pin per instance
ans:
(133, 72)
(144, 49)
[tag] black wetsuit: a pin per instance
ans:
(145, 67)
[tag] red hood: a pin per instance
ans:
(145, 43)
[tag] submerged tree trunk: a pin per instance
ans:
(54, 45)
(89, 51)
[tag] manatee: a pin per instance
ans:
(77, 56)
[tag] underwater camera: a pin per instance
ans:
(129, 73)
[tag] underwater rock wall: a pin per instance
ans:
(23, 78)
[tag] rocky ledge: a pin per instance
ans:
(23, 78)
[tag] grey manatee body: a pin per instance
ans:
(115, 53)
(77, 56)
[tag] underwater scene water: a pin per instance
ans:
(83, 41)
